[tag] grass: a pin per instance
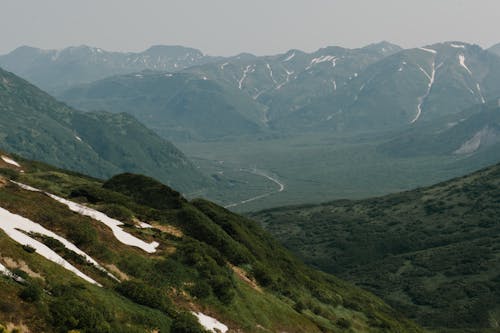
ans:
(316, 168)
(192, 271)
(432, 252)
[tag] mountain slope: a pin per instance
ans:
(286, 82)
(34, 125)
(431, 253)
(56, 70)
(409, 87)
(175, 105)
(132, 255)
(495, 49)
(476, 131)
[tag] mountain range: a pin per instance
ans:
(55, 70)
(378, 87)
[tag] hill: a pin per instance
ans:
(431, 253)
(132, 255)
(35, 125)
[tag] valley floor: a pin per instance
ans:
(254, 174)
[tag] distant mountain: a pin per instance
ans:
(176, 105)
(287, 82)
(474, 132)
(409, 87)
(235, 96)
(131, 255)
(56, 70)
(495, 49)
(431, 253)
(35, 125)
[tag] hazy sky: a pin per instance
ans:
(226, 27)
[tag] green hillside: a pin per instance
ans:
(170, 257)
(176, 105)
(35, 125)
(432, 253)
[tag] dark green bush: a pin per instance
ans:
(144, 294)
(185, 322)
(31, 293)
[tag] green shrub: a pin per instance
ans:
(144, 294)
(185, 322)
(31, 293)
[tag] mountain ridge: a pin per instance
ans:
(37, 126)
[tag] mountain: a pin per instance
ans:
(377, 87)
(240, 95)
(409, 87)
(431, 252)
(286, 82)
(495, 49)
(472, 133)
(176, 105)
(132, 255)
(56, 70)
(35, 125)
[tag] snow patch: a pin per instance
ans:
(321, 59)
(245, 73)
(210, 324)
(427, 50)
(290, 57)
(461, 60)
(421, 99)
(485, 137)
(271, 73)
(144, 225)
(457, 46)
(288, 74)
(14, 225)
(223, 65)
(78, 138)
(113, 224)
(480, 93)
(10, 161)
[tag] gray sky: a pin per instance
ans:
(227, 27)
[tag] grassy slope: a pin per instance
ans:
(191, 271)
(432, 253)
(36, 126)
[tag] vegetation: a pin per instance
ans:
(208, 260)
(431, 252)
(36, 126)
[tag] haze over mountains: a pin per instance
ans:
(381, 98)
(377, 87)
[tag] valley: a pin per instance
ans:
(317, 166)
(345, 155)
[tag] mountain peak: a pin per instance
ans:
(384, 47)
